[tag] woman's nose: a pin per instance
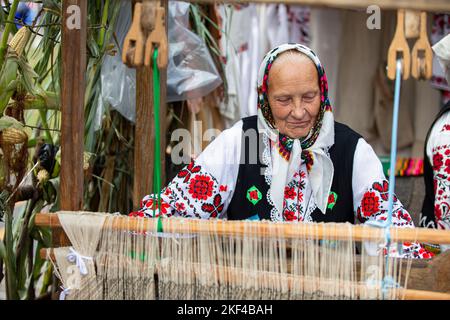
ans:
(298, 109)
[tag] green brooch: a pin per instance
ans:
(332, 198)
(254, 195)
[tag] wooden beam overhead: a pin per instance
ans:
(423, 5)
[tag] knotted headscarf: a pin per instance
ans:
(287, 154)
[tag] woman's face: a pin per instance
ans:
(294, 94)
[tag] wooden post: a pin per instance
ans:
(144, 136)
(73, 49)
(144, 132)
(163, 107)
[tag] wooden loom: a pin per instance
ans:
(73, 69)
(217, 231)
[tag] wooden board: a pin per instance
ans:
(335, 231)
(72, 106)
(424, 5)
(425, 275)
(145, 134)
(424, 279)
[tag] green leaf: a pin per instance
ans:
(93, 46)
(2, 250)
(48, 278)
(38, 262)
(8, 82)
(27, 76)
(10, 122)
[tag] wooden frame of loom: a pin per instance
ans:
(333, 231)
(223, 227)
(72, 108)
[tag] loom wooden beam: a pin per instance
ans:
(235, 275)
(422, 5)
(300, 230)
(73, 50)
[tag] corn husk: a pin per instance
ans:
(8, 73)
(8, 80)
(20, 40)
(12, 136)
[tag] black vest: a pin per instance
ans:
(428, 203)
(251, 175)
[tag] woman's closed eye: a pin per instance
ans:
(309, 97)
(284, 100)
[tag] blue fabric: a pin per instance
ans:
(24, 15)
(254, 218)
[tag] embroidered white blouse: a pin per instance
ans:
(205, 187)
(438, 152)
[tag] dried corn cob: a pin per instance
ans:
(11, 136)
(20, 40)
(8, 72)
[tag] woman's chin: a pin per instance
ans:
(297, 134)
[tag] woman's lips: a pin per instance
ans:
(299, 123)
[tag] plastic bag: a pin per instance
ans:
(191, 72)
(119, 81)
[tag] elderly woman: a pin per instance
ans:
(302, 166)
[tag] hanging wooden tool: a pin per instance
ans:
(399, 46)
(422, 56)
(412, 24)
(157, 38)
(133, 46)
(147, 31)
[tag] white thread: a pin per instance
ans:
(64, 293)
(78, 259)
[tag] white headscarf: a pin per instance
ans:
(286, 154)
(442, 51)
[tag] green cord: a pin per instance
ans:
(157, 164)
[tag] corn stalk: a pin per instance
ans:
(7, 31)
(30, 81)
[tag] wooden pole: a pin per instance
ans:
(73, 49)
(336, 231)
(144, 136)
(163, 107)
(144, 132)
